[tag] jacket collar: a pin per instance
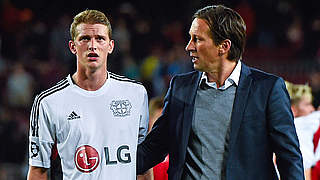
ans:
(232, 79)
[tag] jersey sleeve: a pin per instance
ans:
(41, 136)
(144, 118)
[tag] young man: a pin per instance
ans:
(225, 120)
(95, 117)
(306, 122)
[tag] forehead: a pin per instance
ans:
(199, 27)
(92, 29)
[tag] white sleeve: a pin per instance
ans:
(144, 118)
(41, 136)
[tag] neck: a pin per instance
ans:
(220, 75)
(90, 81)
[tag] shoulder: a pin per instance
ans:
(127, 83)
(54, 91)
(266, 83)
(189, 76)
(258, 74)
(263, 78)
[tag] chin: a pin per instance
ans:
(197, 68)
(93, 66)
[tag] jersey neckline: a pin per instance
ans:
(84, 92)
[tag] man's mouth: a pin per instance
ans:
(194, 58)
(93, 56)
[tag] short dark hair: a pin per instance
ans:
(89, 17)
(225, 23)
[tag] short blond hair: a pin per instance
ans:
(89, 17)
(297, 91)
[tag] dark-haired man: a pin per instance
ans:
(224, 120)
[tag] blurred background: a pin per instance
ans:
(150, 36)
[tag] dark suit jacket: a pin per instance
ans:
(261, 123)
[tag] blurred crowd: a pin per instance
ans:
(150, 37)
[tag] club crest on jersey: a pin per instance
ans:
(120, 108)
(86, 159)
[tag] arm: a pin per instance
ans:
(40, 141)
(147, 176)
(144, 119)
(37, 173)
(282, 133)
(143, 129)
(307, 173)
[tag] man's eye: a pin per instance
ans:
(84, 38)
(100, 38)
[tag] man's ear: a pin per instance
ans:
(225, 46)
(111, 46)
(72, 47)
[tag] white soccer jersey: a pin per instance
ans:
(306, 127)
(96, 132)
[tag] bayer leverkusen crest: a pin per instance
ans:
(121, 108)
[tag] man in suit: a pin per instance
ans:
(225, 120)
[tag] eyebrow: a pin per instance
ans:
(88, 36)
(84, 36)
(102, 36)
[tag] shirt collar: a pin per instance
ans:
(232, 79)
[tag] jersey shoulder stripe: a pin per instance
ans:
(123, 78)
(35, 107)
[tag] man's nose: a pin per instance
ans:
(92, 44)
(189, 46)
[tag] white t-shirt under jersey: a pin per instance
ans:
(96, 132)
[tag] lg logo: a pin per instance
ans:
(87, 158)
(123, 155)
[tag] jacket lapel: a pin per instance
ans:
(191, 88)
(240, 102)
(190, 92)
